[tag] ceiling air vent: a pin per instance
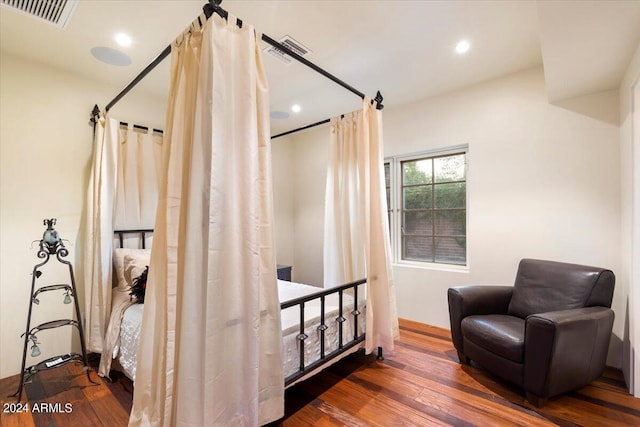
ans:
(292, 44)
(56, 12)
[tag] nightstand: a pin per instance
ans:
(284, 272)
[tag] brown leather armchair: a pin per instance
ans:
(548, 334)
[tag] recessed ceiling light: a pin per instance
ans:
(296, 108)
(462, 46)
(111, 56)
(122, 39)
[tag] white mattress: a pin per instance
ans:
(290, 320)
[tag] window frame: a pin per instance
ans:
(396, 209)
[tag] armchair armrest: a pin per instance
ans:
(475, 299)
(565, 349)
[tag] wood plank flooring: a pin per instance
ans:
(420, 384)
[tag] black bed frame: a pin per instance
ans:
(324, 358)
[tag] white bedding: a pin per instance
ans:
(290, 320)
(129, 339)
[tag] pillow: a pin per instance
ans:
(139, 287)
(134, 266)
(119, 254)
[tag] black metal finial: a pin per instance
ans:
(94, 114)
(378, 100)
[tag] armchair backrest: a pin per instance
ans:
(543, 286)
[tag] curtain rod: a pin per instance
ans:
(301, 128)
(214, 6)
(139, 77)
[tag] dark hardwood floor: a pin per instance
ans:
(420, 384)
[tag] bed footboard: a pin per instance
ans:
(345, 344)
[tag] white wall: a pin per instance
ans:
(311, 154)
(630, 225)
(45, 154)
(283, 184)
(543, 183)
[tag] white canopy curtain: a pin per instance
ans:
(356, 242)
(98, 243)
(122, 193)
(139, 164)
(210, 348)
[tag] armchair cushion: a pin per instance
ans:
(500, 334)
(543, 286)
(472, 300)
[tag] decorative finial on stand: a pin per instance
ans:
(51, 241)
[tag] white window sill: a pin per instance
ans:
(450, 268)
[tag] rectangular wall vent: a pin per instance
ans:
(56, 12)
(290, 43)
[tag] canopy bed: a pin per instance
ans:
(219, 337)
(318, 325)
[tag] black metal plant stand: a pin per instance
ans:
(51, 244)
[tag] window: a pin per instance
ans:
(427, 199)
(387, 180)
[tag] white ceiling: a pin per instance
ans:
(405, 49)
(586, 46)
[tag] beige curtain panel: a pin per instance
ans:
(344, 252)
(98, 234)
(210, 349)
(356, 223)
(122, 194)
(139, 164)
